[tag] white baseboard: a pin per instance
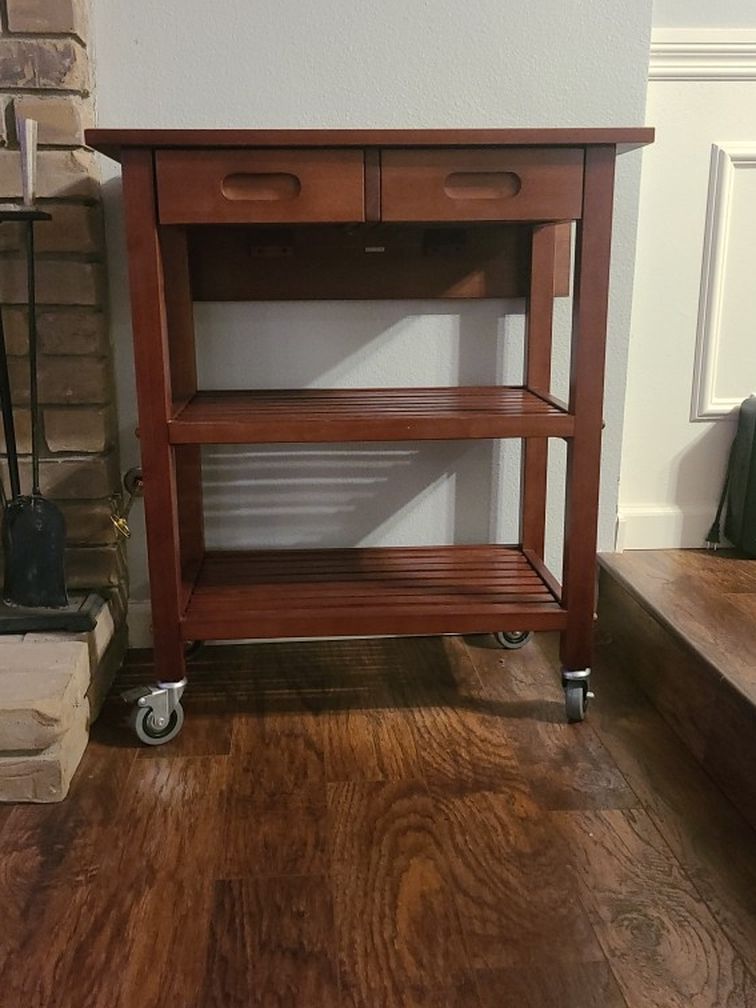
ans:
(657, 526)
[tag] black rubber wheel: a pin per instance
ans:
(142, 720)
(576, 703)
(513, 640)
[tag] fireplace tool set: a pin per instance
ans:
(33, 527)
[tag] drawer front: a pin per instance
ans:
(260, 186)
(514, 183)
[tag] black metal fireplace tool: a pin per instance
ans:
(33, 527)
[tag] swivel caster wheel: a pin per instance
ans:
(513, 640)
(144, 723)
(577, 694)
(157, 715)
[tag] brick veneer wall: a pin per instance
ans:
(45, 75)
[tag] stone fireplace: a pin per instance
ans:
(50, 689)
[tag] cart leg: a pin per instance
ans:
(591, 288)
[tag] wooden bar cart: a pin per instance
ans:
(224, 215)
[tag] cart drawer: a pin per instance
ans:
(259, 186)
(515, 183)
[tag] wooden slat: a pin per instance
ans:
(535, 452)
(336, 415)
(318, 593)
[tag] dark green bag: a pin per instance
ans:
(739, 490)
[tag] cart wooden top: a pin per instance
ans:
(112, 141)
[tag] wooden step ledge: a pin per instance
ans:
(683, 624)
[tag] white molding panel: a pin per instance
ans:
(660, 526)
(692, 348)
(727, 158)
(701, 54)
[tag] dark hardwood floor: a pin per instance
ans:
(370, 824)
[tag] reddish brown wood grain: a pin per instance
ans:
(179, 321)
(322, 262)
(434, 179)
(381, 414)
(590, 303)
(113, 141)
(372, 185)
(430, 184)
(322, 593)
(152, 357)
(535, 453)
(193, 187)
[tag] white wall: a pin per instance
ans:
(692, 351)
(704, 13)
(370, 64)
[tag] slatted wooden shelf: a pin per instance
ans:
(382, 414)
(398, 590)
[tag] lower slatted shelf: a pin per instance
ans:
(382, 414)
(394, 590)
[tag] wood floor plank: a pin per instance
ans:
(551, 984)
(515, 894)
(494, 863)
(707, 835)
(461, 736)
(287, 837)
(398, 936)
(276, 822)
(144, 913)
(278, 757)
(271, 945)
(567, 766)
(49, 849)
(371, 745)
(666, 948)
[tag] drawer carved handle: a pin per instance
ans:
(482, 185)
(268, 187)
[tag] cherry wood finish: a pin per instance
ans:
(372, 185)
(249, 187)
(514, 183)
(590, 302)
(332, 593)
(152, 355)
(535, 453)
(401, 214)
(382, 414)
(113, 141)
(179, 322)
(314, 262)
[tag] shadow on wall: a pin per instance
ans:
(698, 482)
(371, 494)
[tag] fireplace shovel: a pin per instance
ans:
(33, 528)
